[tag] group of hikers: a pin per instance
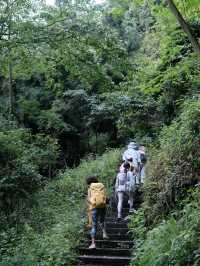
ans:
(130, 175)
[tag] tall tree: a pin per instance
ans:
(184, 25)
(13, 15)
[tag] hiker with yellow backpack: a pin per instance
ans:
(97, 201)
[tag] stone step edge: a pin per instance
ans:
(106, 249)
(128, 233)
(104, 257)
(113, 240)
(115, 228)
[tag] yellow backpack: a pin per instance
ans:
(97, 195)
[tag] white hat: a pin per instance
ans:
(132, 145)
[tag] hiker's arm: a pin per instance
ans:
(88, 197)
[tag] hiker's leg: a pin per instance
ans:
(120, 203)
(94, 228)
(102, 221)
(94, 223)
(102, 215)
(89, 213)
(131, 199)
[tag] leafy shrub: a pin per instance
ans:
(25, 160)
(175, 165)
(173, 242)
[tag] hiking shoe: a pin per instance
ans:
(92, 246)
(105, 236)
(127, 218)
(132, 210)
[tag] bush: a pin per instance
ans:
(25, 160)
(173, 242)
(175, 165)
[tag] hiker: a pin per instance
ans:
(143, 159)
(132, 152)
(97, 200)
(120, 188)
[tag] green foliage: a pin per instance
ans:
(164, 73)
(165, 81)
(174, 166)
(58, 60)
(173, 242)
(25, 158)
(189, 8)
(137, 226)
(88, 77)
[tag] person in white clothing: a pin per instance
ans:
(125, 184)
(120, 188)
(132, 152)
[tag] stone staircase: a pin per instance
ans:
(113, 251)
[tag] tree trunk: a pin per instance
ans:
(186, 28)
(11, 92)
(10, 69)
(96, 144)
(50, 171)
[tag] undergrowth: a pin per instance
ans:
(173, 241)
(174, 165)
(166, 228)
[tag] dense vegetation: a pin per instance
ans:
(167, 227)
(78, 78)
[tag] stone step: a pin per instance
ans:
(115, 251)
(105, 260)
(105, 243)
(118, 236)
(117, 230)
(114, 219)
(113, 211)
(83, 264)
(116, 224)
(115, 236)
(105, 251)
